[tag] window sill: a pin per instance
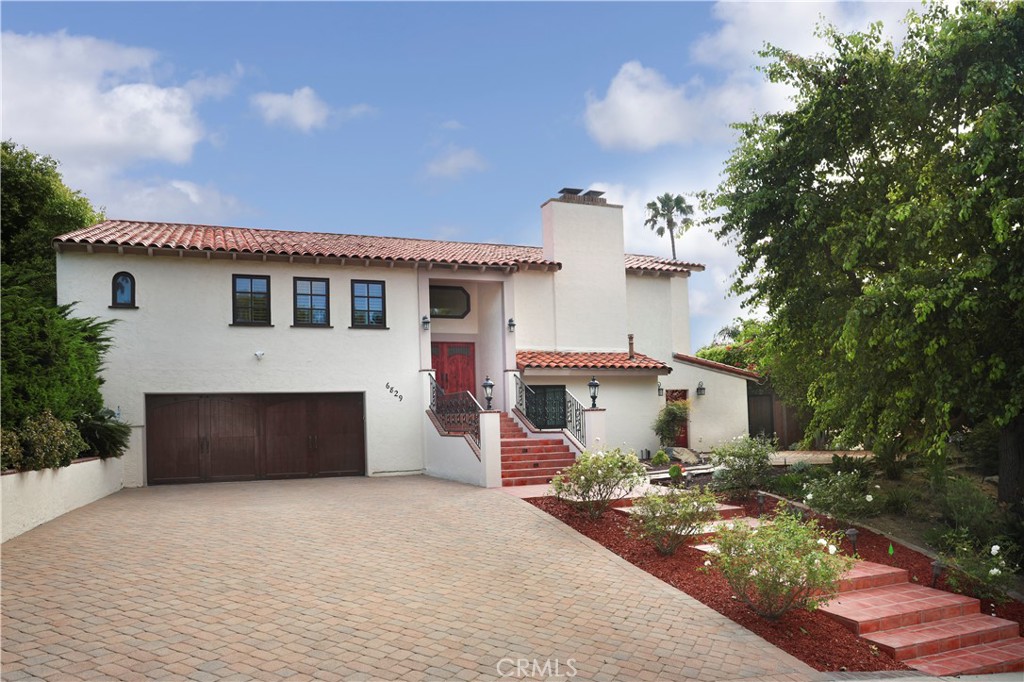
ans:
(312, 326)
(250, 324)
(368, 327)
(123, 307)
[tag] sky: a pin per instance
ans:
(430, 120)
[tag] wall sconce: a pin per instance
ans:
(259, 355)
(661, 390)
(511, 325)
(700, 388)
(593, 385)
(426, 323)
(488, 390)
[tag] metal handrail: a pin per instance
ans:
(575, 422)
(522, 390)
(456, 412)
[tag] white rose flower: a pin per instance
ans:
(995, 550)
(753, 572)
(821, 541)
(869, 498)
(810, 496)
(730, 525)
(994, 571)
(707, 562)
(831, 549)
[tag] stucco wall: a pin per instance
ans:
(719, 415)
(180, 340)
(534, 310)
(450, 457)
(32, 498)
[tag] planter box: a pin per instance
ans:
(31, 498)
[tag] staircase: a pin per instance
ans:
(936, 632)
(530, 461)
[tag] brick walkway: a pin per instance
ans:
(397, 578)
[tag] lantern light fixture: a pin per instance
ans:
(426, 323)
(700, 388)
(488, 390)
(511, 325)
(593, 385)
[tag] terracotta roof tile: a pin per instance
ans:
(711, 364)
(549, 359)
(651, 263)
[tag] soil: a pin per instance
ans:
(810, 636)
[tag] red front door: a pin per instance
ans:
(454, 365)
(683, 437)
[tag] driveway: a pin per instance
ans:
(348, 578)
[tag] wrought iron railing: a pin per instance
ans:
(456, 412)
(548, 410)
(523, 395)
(574, 418)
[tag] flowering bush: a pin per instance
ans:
(845, 496)
(986, 572)
(745, 462)
(786, 564)
(597, 479)
(670, 519)
(49, 442)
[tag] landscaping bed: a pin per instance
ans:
(812, 637)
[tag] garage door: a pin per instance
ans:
(226, 437)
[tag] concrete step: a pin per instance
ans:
(866, 574)
(1006, 656)
(527, 464)
(546, 472)
(926, 639)
(895, 606)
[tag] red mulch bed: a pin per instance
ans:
(812, 637)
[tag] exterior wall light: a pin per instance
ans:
(426, 323)
(511, 325)
(593, 385)
(488, 390)
(661, 389)
(700, 388)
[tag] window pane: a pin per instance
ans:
(302, 301)
(376, 289)
(319, 302)
(260, 284)
(302, 286)
(318, 287)
(302, 317)
(360, 304)
(359, 289)
(359, 318)
(319, 317)
(376, 304)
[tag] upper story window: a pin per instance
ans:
(122, 290)
(368, 304)
(450, 302)
(250, 302)
(312, 302)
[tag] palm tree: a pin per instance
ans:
(661, 217)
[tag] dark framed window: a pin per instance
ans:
(312, 302)
(451, 302)
(250, 302)
(122, 290)
(368, 304)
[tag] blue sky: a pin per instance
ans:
(433, 120)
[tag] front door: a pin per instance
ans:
(454, 365)
(683, 437)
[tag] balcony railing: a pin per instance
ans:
(456, 412)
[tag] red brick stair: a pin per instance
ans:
(530, 461)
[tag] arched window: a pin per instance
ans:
(122, 291)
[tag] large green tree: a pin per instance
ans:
(880, 223)
(672, 214)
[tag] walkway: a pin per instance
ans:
(384, 578)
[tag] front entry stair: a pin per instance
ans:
(530, 461)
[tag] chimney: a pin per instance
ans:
(572, 195)
(632, 354)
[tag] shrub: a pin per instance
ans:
(801, 467)
(597, 479)
(104, 434)
(670, 519)
(985, 572)
(660, 458)
(11, 454)
(745, 461)
(966, 507)
(782, 565)
(899, 501)
(670, 420)
(848, 464)
(675, 472)
(49, 442)
(844, 496)
(891, 459)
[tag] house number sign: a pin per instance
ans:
(393, 391)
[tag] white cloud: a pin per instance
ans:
(452, 124)
(302, 109)
(455, 162)
(173, 201)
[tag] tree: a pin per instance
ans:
(662, 213)
(741, 344)
(880, 223)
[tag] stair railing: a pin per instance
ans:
(456, 412)
(575, 422)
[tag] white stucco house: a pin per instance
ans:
(252, 353)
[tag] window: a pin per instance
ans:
(312, 297)
(251, 299)
(368, 304)
(449, 302)
(122, 291)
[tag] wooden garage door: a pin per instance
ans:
(196, 438)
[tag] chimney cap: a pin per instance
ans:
(593, 193)
(570, 190)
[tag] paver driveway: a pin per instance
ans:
(385, 578)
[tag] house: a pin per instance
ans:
(251, 353)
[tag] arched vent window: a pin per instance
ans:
(122, 291)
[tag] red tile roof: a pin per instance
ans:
(551, 359)
(711, 364)
(127, 233)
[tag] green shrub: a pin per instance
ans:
(985, 572)
(675, 472)
(782, 565)
(801, 467)
(900, 501)
(890, 459)
(11, 454)
(670, 519)
(104, 434)
(660, 458)
(746, 462)
(966, 507)
(49, 442)
(670, 420)
(789, 485)
(597, 479)
(848, 464)
(844, 496)
(980, 445)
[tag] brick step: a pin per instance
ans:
(521, 442)
(1006, 656)
(895, 606)
(535, 457)
(536, 449)
(866, 574)
(526, 480)
(917, 641)
(509, 435)
(536, 464)
(546, 472)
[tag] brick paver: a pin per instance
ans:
(337, 579)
